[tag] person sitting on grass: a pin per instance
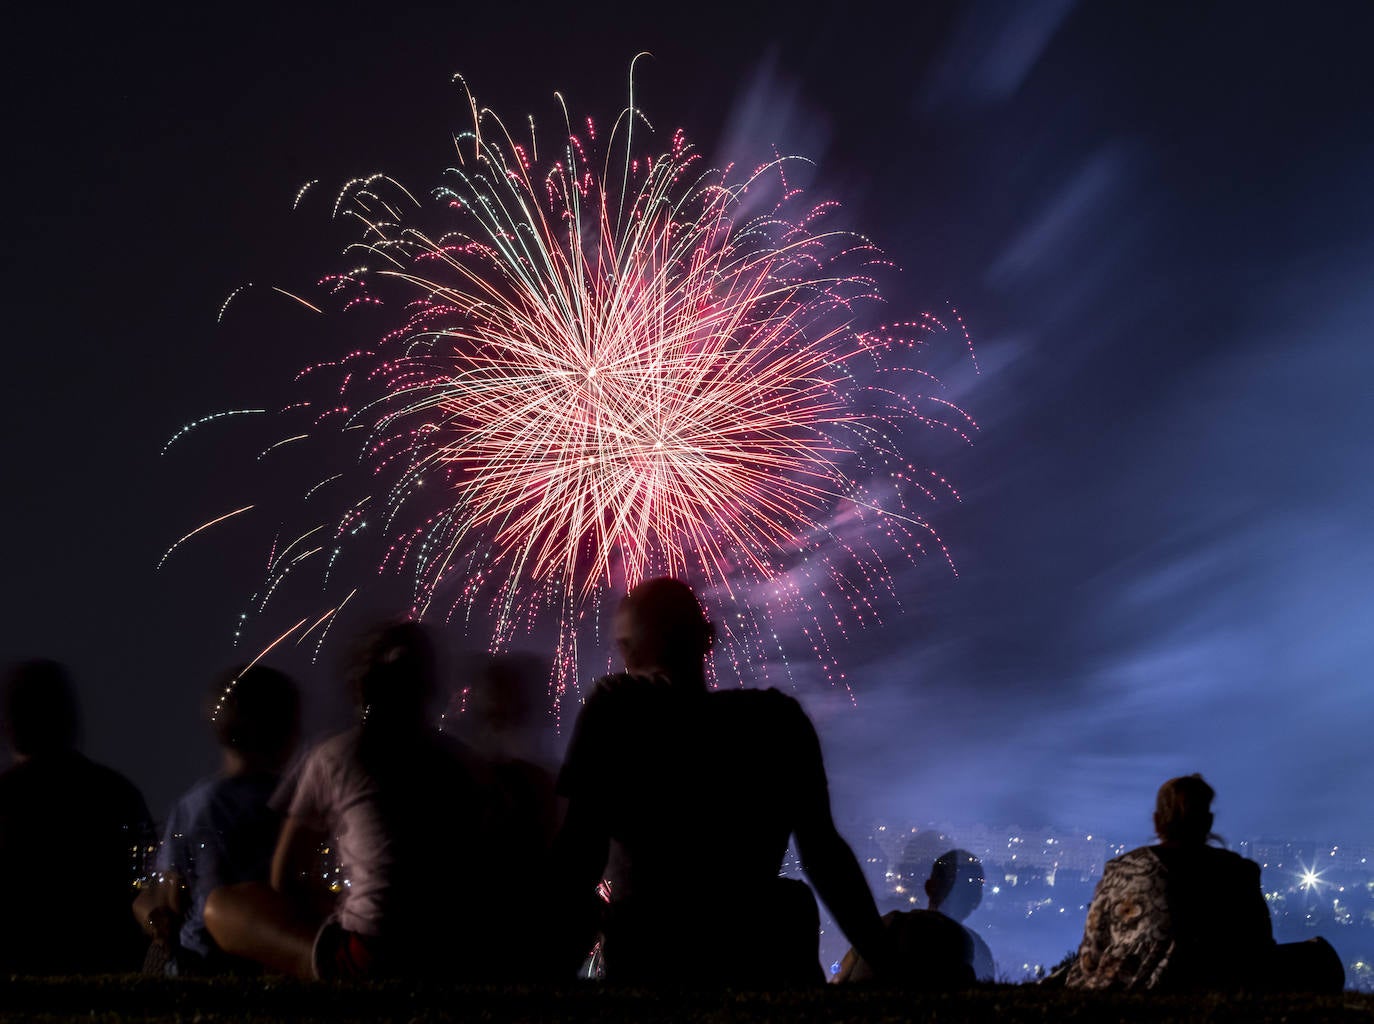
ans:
(72, 837)
(404, 805)
(222, 831)
(503, 714)
(1183, 915)
(698, 792)
(933, 949)
(955, 889)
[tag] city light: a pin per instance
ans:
(1039, 883)
(1310, 879)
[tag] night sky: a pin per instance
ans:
(1155, 218)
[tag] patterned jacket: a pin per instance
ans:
(1174, 918)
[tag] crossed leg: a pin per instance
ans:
(256, 922)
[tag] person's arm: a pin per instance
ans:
(160, 906)
(583, 843)
(1097, 934)
(847, 964)
(834, 870)
(309, 821)
(294, 862)
(827, 859)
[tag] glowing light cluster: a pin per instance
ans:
(611, 365)
(1310, 879)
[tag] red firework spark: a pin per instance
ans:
(616, 370)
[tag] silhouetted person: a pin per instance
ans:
(71, 835)
(405, 808)
(699, 792)
(505, 714)
(955, 889)
(1184, 915)
(506, 723)
(222, 831)
(930, 952)
(507, 726)
(932, 948)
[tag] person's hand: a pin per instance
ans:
(857, 969)
(846, 971)
(161, 907)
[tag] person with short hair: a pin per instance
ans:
(955, 889)
(223, 830)
(72, 837)
(933, 950)
(698, 792)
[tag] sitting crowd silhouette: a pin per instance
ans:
(461, 854)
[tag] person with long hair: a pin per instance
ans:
(1186, 915)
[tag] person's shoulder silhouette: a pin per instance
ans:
(931, 952)
(74, 826)
(766, 738)
(705, 762)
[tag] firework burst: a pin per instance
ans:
(608, 366)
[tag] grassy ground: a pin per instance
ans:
(130, 1000)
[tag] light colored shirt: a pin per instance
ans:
(409, 823)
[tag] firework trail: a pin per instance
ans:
(611, 365)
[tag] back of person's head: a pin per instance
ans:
(392, 674)
(956, 884)
(40, 709)
(661, 625)
(1183, 810)
(257, 713)
(503, 710)
(510, 691)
